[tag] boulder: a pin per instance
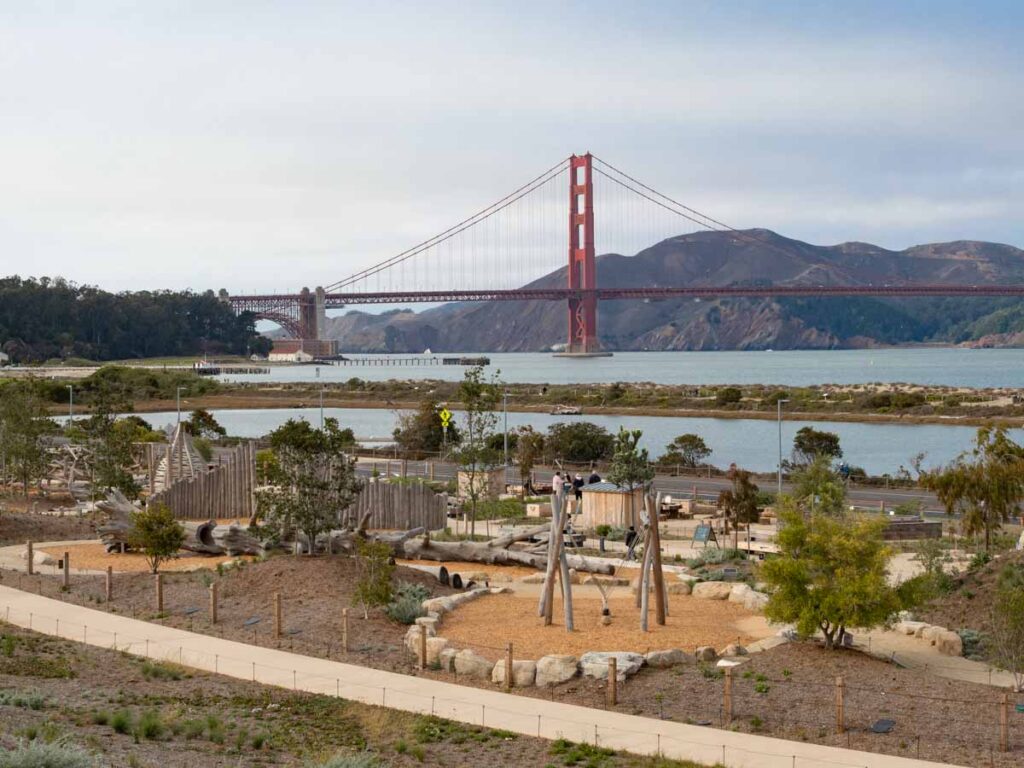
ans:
(679, 588)
(524, 673)
(734, 649)
(595, 664)
(755, 601)
(533, 578)
(446, 658)
(689, 578)
(909, 627)
(705, 653)
(555, 669)
(438, 605)
(919, 632)
(39, 557)
(949, 643)
(472, 664)
(712, 590)
(435, 646)
(669, 658)
(930, 632)
(739, 593)
(427, 621)
(412, 637)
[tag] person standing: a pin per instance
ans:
(577, 486)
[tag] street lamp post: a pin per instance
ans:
(779, 404)
(177, 399)
(321, 404)
(504, 409)
(71, 404)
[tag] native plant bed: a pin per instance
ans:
(17, 527)
(123, 711)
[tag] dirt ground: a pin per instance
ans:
(93, 557)
(19, 527)
(513, 618)
(127, 712)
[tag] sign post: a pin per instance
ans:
(446, 417)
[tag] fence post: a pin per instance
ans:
(277, 614)
(66, 574)
(159, 593)
(423, 647)
(109, 585)
(344, 629)
(213, 603)
(29, 564)
(840, 708)
(1004, 723)
(508, 666)
(727, 697)
(613, 681)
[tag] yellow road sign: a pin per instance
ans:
(446, 416)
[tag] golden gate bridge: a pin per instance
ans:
(513, 244)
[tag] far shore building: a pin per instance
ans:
(5, 359)
(302, 350)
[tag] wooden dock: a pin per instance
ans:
(417, 360)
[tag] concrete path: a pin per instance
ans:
(529, 716)
(915, 653)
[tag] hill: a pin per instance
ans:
(761, 257)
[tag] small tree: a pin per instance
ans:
(830, 574)
(529, 449)
(201, 423)
(728, 396)
(156, 534)
(579, 441)
(312, 482)
(24, 426)
(687, 450)
(739, 503)
(819, 488)
(810, 443)
(1007, 636)
(986, 486)
(373, 584)
(420, 431)
(479, 398)
(631, 467)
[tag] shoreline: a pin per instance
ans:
(289, 400)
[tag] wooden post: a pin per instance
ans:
(659, 576)
(430, 470)
(109, 586)
(213, 603)
(508, 666)
(727, 697)
(548, 593)
(277, 614)
(1004, 723)
(840, 718)
(344, 629)
(66, 570)
(30, 564)
(613, 681)
(159, 592)
(645, 581)
(423, 647)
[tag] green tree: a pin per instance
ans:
(24, 427)
(579, 441)
(728, 396)
(631, 467)
(202, 423)
(112, 441)
(1007, 635)
(830, 574)
(529, 450)
(819, 488)
(687, 450)
(312, 481)
(420, 431)
(156, 534)
(739, 502)
(375, 567)
(810, 443)
(985, 486)
(475, 456)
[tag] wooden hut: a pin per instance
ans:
(609, 504)
(490, 483)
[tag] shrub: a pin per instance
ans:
(121, 722)
(38, 754)
(150, 726)
(155, 670)
(23, 700)
(405, 610)
(728, 396)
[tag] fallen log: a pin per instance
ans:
(479, 552)
(199, 538)
(235, 540)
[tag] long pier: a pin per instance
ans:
(417, 360)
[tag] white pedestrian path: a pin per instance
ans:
(525, 715)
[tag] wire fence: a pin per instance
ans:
(926, 722)
(549, 722)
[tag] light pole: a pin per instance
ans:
(504, 409)
(71, 404)
(177, 399)
(321, 404)
(779, 403)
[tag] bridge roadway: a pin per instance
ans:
(861, 496)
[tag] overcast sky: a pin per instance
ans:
(267, 145)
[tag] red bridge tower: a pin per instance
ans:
(582, 266)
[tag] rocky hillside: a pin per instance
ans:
(721, 259)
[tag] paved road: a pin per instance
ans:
(530, 716)
(707, 487)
